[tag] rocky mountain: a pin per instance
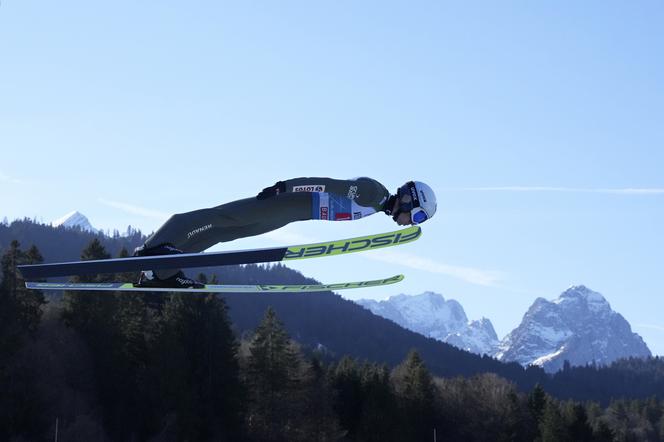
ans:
(431, 315)
(578, 326)
(75, 219)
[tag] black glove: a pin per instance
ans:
(279, 187)
(389, 204)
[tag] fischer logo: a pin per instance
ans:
(356, 245)
(199, 230)
(352, 192)
(310, 188)
(317, 287)
(324, 213)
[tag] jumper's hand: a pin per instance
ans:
(279, 187)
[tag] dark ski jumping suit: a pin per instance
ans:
(287, 201)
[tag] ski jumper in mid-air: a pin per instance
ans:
(287, 201)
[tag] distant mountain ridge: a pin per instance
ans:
(431, 315)
(579, 326)
(64, 243)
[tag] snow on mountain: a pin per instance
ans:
(578, 326)
(478, 337)
(75, 219)
(431, 315)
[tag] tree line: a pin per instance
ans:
(144, 366)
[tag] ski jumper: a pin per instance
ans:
(297, 199)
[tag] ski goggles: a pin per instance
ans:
(418, 215)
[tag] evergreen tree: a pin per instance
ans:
(273, 376)
(415, 389)
(316, 419)
(602, 432)
(380, 413)
(577, 422)
(94, 316)
(91, 313)
(197, 367)
(21, 407)
(20, 308)
(347, 394)
(552, 425)
(537, 402)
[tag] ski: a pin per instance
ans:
(215, 288)
(212, 259)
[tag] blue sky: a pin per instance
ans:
(539, 125)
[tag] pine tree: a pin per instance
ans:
(88, 312)
(21, 409)
(537, 402)
(602, 432)
(577, 423)
(552, 426)
(273, 373)
(346, 383)
(319, 421)
(380, 412)
(20, 308)
(415, 389)
(197, 366)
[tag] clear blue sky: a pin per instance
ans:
(540, 125)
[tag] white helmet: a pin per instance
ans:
(422, 204)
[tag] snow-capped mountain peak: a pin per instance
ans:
(578, 326)
(75, 219)
(580, 293)
(430, 314)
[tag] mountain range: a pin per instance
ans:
(579, 326)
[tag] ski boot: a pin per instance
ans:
(149, 279)
(161, 249)
(178, 281)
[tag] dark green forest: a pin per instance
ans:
(111, 366)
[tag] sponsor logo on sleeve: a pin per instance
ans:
(310, 188)
(324, 213)
(343, 216)
(357, 215)
(199, 230)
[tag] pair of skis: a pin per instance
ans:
(188, 260)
